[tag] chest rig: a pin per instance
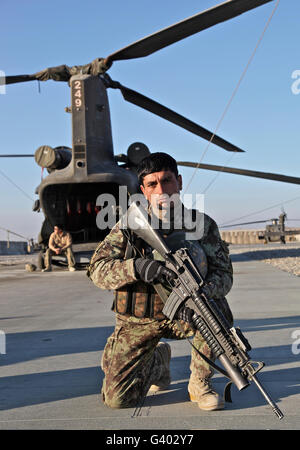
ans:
(138, 299)
(141, 299)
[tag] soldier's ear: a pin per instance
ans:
(142, 189)
(179, 179)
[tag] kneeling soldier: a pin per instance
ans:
(134, 360)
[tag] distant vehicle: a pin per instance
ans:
(274, 232)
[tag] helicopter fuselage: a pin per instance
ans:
(68, 195)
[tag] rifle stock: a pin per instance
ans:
(139, 221)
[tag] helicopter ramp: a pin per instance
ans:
(53, 330)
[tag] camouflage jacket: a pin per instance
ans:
(109, 270)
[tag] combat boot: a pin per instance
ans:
(201, 392)
(163, 352)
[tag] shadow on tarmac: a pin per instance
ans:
(268, 323)
(248, 398)
(256, 255)
(22, 347)
(28, 346)
(37, 388)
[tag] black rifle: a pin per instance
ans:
(228, 343)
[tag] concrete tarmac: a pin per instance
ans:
(56, 325)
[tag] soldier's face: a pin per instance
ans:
(158, 187)
(57, 230)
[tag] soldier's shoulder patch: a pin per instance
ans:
(222, 250)
(225, 246)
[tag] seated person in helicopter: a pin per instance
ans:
(60, 243)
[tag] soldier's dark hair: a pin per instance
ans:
(59, 225)
(156, 162)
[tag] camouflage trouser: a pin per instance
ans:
(131, 364)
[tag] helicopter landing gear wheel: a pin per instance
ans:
(41, 261)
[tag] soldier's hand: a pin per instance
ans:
(186, 314)
(207, 290)
(150, 271)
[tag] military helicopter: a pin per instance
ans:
(79, 174)
(274, 231)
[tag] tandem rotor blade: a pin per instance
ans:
(181, 30)
(12, 79)
(154, 42)
(245, 172)
(162, 111)
(244, 223)
(16, 156)
(57, 73)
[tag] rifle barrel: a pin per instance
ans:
(274, 407)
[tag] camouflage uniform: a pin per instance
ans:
(129, 359)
